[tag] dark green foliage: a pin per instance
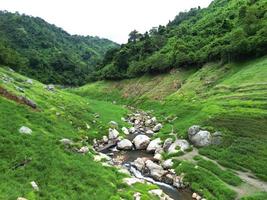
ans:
(40, 50)
(225, 31)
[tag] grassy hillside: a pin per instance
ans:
(59, 173)
(230, 98)
(40, 50)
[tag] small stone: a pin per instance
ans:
(105, 139)
(113, 134)
(29, 81)
(167, 164)
(50, 87)
(21, 198)
(66, 141)
(141, 142)
(194, 195)
(149, 132)
(125, 144)
(125, 130)
(153, 145)
(34, 186)
(132, 130)
(158, 157)
(137, 196)
(83, 150)
(113, 124)
(131, 181)
(157, 127)
(25, 130)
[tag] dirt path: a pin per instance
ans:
(251, 183)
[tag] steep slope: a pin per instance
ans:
(45, 52)
(60, 173)
(228, 30)
(230, 98)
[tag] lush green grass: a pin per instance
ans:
(257, 196)
(205, 182)
(226, 175)
(230, 98)
(59, 173)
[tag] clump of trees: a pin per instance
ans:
(40, 50)
(226, 31)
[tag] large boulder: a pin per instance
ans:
(139, 163)
(113, 134)
(141, 141)
(125, 144)
(156, 171)
(153, 145)
(25, 130)
(193, 130)
(178, 144)
(201, 138)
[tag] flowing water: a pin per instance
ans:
(126, 157)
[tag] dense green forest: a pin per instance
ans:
(45, 52)
(228, 30)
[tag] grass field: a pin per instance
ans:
(60, 174)
(230, 98)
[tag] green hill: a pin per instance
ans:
(45, 52)
(226, 31)
(230, 98)
(59, 172)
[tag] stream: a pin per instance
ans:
(125, 158)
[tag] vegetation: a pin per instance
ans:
(45, 52)
(230, 98)
(225, 175)
(205, 182)
(226, 31)
(59, 172)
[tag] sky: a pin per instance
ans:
(112, 19)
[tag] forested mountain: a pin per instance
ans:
(228, 30)
(45, 52)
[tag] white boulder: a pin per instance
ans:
(154, 144)
(179, 144)
(141, 141)
(113, 134)
(125, 130)
(157, 127)
(125, 144)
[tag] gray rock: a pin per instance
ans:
(167, 144)
(181, 144)
(25, 130)
(141, 142)
(201, 139)
(66, 141)
(153, 145)
(149, 132)
(83, 150)
(216, 138)
(29, 81)
(193, 130)
(125, 144)
(113, 134)
(139, 163)
(157, 127)
(113, 124)
(167, 164)
(105, 139)
(34, 186)
(125, 130)
(50, 87)
(156, 171)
